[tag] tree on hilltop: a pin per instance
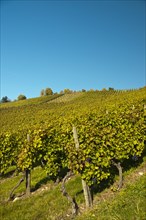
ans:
(67, 91)
(48, 91)
(111, 89)
(5, 99)
(21, 97)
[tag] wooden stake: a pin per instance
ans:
(86, 189)
(28, 175)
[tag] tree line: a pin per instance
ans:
(48, 91)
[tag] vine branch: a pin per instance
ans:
(118, 165)
(11, 196)
(75, 207)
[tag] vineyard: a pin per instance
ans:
(110, 132)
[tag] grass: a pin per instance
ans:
(9, 183)
(128, 204)
(47, 202)
(35, 207)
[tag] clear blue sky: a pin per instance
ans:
(71, 44)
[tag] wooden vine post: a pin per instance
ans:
(28, 175)
(86, 189)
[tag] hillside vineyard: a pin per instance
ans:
(110, 125)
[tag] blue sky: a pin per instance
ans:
(71, 44)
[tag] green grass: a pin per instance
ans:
(41, 206)
(128, 204)
(7, 184)
(47, 202)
